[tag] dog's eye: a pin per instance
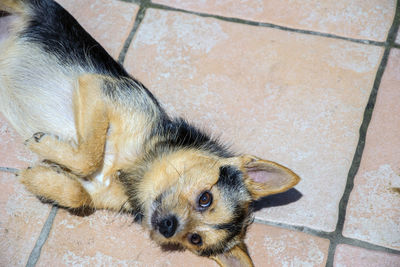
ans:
(195, 239)
(205, 199)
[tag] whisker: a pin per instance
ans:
(172, 165)
(215, 163)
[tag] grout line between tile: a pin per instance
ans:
(361, 143)
(44, 234)
(138, 20)
(138, 2)
(329, 235)
(10, 170)
(303, 229)
(268, 25)
(366, 120)
(335, 237)
(367, 245)
(331, 253)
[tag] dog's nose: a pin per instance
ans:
(167, 226)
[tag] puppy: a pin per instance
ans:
(106, 143)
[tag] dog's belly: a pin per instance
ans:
(34, 95)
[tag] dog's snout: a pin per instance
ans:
(167, 226)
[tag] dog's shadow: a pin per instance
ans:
(277, 200)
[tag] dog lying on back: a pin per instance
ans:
(106, 143)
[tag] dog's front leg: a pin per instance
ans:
(91, 124)
(55, 185)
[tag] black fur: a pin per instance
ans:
(173, 135)
(130, 181)
(54, 32)
(59, 34)
(231, 184)
(179, 134)
(121, 89)
(230, 178)
(239, 223)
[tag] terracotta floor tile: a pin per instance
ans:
(21, 219)
(113, 240)
(291, 98)
(12, 151)
(271, 246)
(108, 21)
(373, 211)
(107, 239)
(369, 19)
(349, 256)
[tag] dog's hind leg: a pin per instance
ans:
(91, 122)
(56, 186)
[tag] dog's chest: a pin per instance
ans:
(123, 145)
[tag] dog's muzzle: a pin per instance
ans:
(167, 226)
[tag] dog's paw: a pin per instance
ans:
(56, 167)
(42, 143)
(36, 137)
(24, 175)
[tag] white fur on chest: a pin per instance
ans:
(119, 153)
(102, 179)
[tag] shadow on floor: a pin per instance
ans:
(281, 199)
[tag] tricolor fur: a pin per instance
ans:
(106, 143)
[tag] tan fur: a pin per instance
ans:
(86, 157)
(56, 186)
(282, 180)
(237, 257)
(91, 125)
(88, 138)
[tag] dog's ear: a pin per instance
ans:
(263, 177)
(236, 257)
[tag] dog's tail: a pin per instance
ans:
(14, 6)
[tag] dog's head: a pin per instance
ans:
(201, 202)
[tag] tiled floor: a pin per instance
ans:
(311, 84)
